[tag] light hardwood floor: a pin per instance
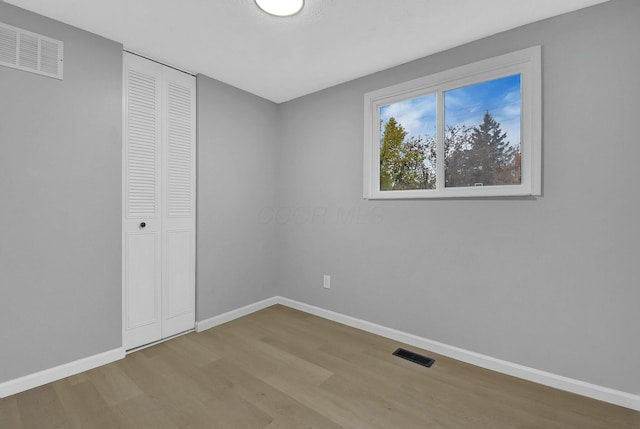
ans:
(281, 368)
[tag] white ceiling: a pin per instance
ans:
(329, 42)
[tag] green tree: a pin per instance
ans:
(390, 151)
(473, 155)
(405, 163)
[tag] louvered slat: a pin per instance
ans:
(179, 150)
(141, 145)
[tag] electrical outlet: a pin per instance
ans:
(326, 282)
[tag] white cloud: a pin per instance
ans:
(463, 106)
(417, 115)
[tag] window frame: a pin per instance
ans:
(525, 62)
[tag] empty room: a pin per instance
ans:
(319, 214)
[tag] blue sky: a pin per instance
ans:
(466, 105)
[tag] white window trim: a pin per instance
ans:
(526, 62)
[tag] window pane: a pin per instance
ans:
(482, 134)
(408, 144)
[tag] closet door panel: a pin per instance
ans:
(179, 202)
(142, 223)
(179, 279)
(142, 310)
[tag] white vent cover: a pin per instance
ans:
(24, 50)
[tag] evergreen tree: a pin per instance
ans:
(390, 152)
(480, 155)
(491, 154)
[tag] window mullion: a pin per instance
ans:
(440, 141)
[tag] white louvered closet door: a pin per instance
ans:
(179, 186)
(159, 202)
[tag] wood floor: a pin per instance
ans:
(281, 368)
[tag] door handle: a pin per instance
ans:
(142, 224)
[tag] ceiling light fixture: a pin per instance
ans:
(280, 7)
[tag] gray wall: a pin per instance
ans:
(550, 283)
(60, 187)
(237, 158)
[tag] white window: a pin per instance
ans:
(473, 131)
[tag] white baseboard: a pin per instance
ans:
(594, 391)
(590, 390)
(203, 325)
(40, 378)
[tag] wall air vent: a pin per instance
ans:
(24, 50)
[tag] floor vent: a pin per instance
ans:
(23, 50)
(414, 357)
